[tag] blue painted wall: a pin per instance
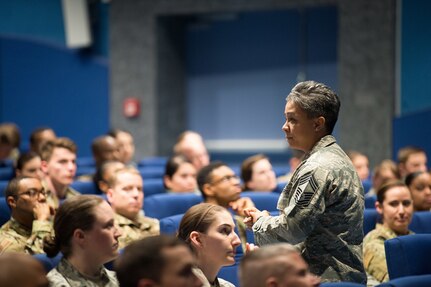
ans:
(249, 62)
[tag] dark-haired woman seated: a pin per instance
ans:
(419, 184)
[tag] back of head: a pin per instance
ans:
(75, 213)
(317, 99)
(204, 175)
(144, 259)
(405, 152)
(104, 148)
(185, 138)
(260, 264)
(198, 218)
(39, 136)
(10, 134)
(19, 269)
(48, 147)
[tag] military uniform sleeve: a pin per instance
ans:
(375, 259)
(7, 244)
(40, 229)
(300, 212)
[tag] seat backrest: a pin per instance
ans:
(421, 222)
(409, 281)
(370, 201)
(167, 204)
(367, 184)
(153, 161)
(151, 172)
(408, 255)
(47, 262)
(4, 211)
(153, 186)
(370, 219)
(230, 273)
(6, 173)
(169, 225)
(85, 187)
(3, 185)
(263, 200)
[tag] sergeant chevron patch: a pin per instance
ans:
(304, 190)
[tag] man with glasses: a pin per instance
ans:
(30, 217)
(221, 186)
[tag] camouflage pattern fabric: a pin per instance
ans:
(133, 230)
(374, 252)
(322, 208)
(15, 237)
(54, 201)
(65, 275)
(205, 283)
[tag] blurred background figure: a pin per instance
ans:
(191, 145)
(395, 206)
(361, 164)
(29, 164)
(419, 184)
(411, 159)
(39, 136)
(10, 140)
(21, 270)
(257, 174)
(105, 172)
(294, 161)
(384, 171)
(180, 175)
(105, 148)
(126, 145)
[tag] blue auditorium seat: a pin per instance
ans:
(85, 161)
(169, 225)
(6, 173)
(153, 161)
(367, 184)
(421, 222)
(280, 187)
(370, 201)
(153, 186)
(151, 172)
(263, 200)
(370, 219)
(85, 187)
(408, 255)
(409, 281)
(4, 211)
(3, 185)
(47, 262)
(167, 204)
(230, 273)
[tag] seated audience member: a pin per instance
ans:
(30, 217)
(411, 159)
(21, 270)
(59, 169)
(125, 194)
(29, 164)
(105, 148)
(209, 231)
(191, 145)
(87, 237)
(360, 162)
(126, 145)
(276, 265)
(294, 161)
(383, 172)
(10, 140)
(395, 206)
(157, 261)
(180, 175)
(257, 174)
(219, 185)
(419, 184)
(104, 172)
(40, 136)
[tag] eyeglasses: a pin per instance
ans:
(33, 192)
(225, 178)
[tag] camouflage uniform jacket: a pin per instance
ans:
(65, 275)
(374, 252)
(134, 230)
(15, 237)
(54, 201)
(322, 208)
(218, 282)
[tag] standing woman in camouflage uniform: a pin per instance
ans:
(395, 206)
(322, 206)
(87, 237)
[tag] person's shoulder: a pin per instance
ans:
(225, 283)
(55, 278)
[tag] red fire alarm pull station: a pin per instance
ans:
(131, 107)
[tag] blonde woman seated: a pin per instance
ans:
(180, 175)
(257, 174)
(419, 184)
(395, 206)
(209, 231)
(87, 237)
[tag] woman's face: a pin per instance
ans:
(397, 209)
(183, 180)
(32, 168)
(101, 241)
(421, 192)
(220, 241)
(262, 176)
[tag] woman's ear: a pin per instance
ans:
(168, 182)
(78, 236)
(195, 238)
(379, 208)
(319, 124)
